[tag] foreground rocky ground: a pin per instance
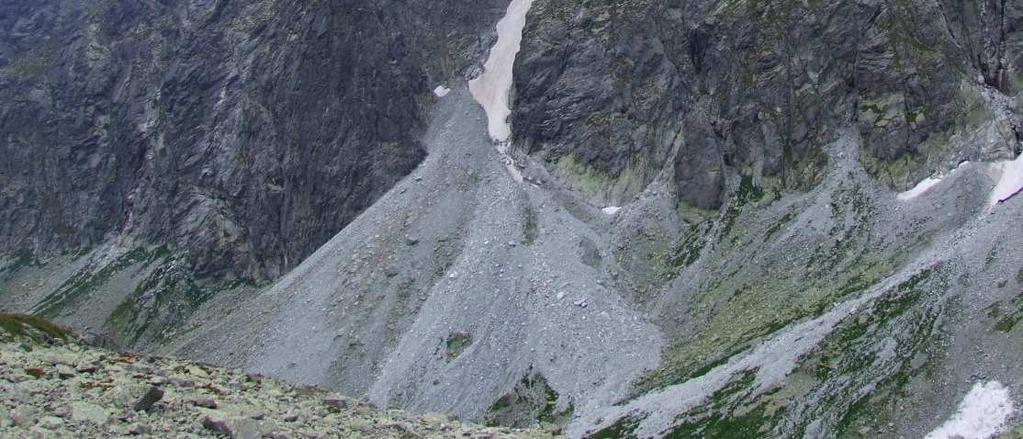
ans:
(51, 385)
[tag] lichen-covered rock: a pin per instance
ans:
(248, 408)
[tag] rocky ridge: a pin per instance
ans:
(53, 385)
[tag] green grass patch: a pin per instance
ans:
(532, 401)
(1008, 317)
(456, 343)
(19, 325)
(622, 428)
(530, 230)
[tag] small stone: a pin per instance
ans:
(51, 422)
(208, 403)
(23, 416)
(88, 412)
(157, 381)
(336, 403)
(153, 395)
(86, 368)
(137, 429)
(290, 417)
(65, 372)
(182, 382)
(410, 240)
(217, 425)
(198, 372)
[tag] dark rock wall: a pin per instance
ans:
(758, 87)
(241, 134)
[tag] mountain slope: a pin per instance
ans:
(80, 390)
(188, 148)
(711, 219)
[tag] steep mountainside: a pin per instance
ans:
(610, 91)
(209, 142)
(711, 218)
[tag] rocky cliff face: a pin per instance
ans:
(203, 144)
(612, 90)
(241, 136)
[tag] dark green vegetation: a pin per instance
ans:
(457, 343)
(529, 226)
(18, 325)
(85, 282)
(722, 416)
(1007, 315)
(532, 401)
(744, 302)
(852, 355)
(623, 428)
(161, 302)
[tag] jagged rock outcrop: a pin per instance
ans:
(240, 135)
(606, 89)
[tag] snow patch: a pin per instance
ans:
(982, 414)
(919, 189)
(492, 88)
(1010, 180)
(441, 91)
(611, 210)
(926, 185)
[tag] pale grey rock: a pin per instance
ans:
(88, 412)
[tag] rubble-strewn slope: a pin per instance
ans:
(698, 232)
(51, 385)
(225, 140)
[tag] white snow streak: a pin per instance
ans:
(926, 185)
(441, 91)
(982, 414)
(919, 189)
(611, 210)
(1010, 180)
(492, 88)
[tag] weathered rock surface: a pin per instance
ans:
(240, 135)
(176, 150)
(610, 91)
(43, 405)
